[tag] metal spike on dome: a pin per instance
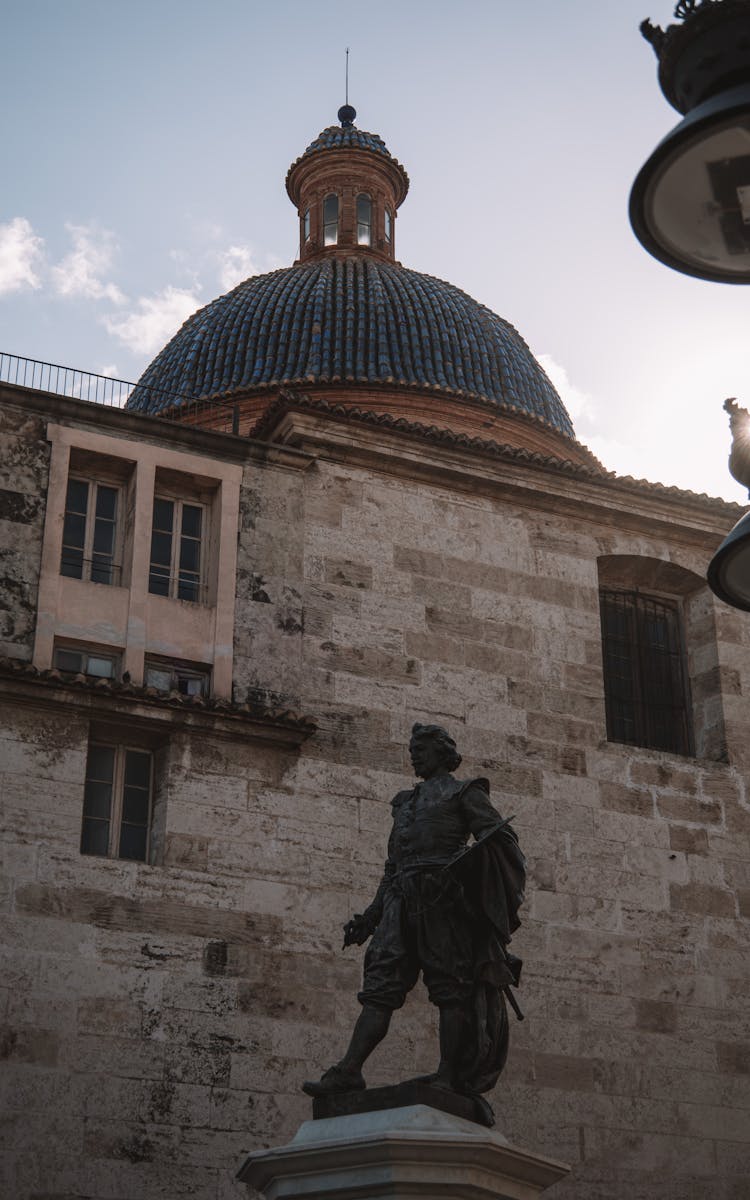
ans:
(347, 113)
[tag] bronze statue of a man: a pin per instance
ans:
(446, 910)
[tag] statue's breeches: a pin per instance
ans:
(425, 927)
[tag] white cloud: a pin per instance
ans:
(236, 264)
(154, 319)
(20, 254)
(80, 272)
(577, 402)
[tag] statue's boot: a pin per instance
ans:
(346, 1076)
(452, 1031)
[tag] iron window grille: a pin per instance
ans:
(89, 543)
(177, 550)
(117, 802)
(645, 680)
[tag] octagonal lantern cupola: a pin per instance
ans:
(347, 188)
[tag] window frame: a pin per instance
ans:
(86, 653)
(117, 786)
(388, 225)
(333, 223)
(305, 227)
(91, 517)
(177, 534)
(646, 673)
(178, 670)
(364, 224)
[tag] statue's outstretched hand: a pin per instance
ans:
(357, 931)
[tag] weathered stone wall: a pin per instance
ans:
(157, 1020)
(24, 454)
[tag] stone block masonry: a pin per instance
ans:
(156, 1019)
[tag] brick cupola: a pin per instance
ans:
(347, 187)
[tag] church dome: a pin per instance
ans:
(351, 320)
(348, 324)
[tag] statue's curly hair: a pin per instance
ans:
(443, 739)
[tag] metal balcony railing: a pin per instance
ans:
(219, 415)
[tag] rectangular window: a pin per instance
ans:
(184, 678)
(330, 220)
(364, 220)
(176, 550)
(89, 544)
(645, 682)
(86, 662)
(117, 802)
(388, 225)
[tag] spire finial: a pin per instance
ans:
(346, 113)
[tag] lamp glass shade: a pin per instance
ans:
(690, 203)
(729, 570)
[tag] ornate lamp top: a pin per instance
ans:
(707, 53)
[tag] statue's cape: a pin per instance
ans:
(492, 874)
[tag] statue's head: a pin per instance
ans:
(432, 749)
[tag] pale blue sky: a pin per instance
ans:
(145, 147)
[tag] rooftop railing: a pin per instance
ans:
(220, 415)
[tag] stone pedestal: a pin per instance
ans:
(397, 1153)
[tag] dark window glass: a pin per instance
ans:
(95, 837)
(78, 496)
(97, 800)
(364, 221)
(101, 763)
(161, 547)
(331, 220)
(69, 660)
(117, 802)
(74, 529)
(645, 683)
(163, 514)
(137, 769)
(91, 557)
(191, 520)
(176, 561)
(188, 588)
(133, 842)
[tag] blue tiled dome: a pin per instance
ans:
(357, 320)
(336, 137)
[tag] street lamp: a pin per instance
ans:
(729, 569)
(690, 203)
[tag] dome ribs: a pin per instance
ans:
(412, 347)
(351, 318)
(339, 346)
(316, 369)
(396, 330)
(458, 341)
(244, 325)
(380, 327)
(360, 282)
(268, 332)
(426, 311)
(299, 339)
